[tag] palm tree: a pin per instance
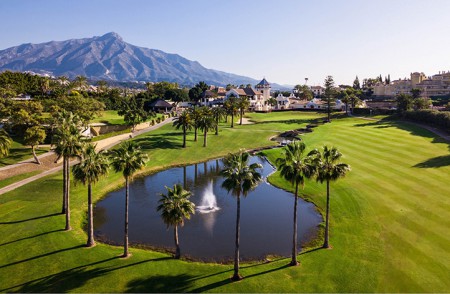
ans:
(183, 121)
(329, 169)
(218, 113)
(149, 86)
(5, 143)
(102, 87)
(240, 178)
(63, 84)
(64, 123)
(45, 86)
(206, 122)
(295, 168)
(80, 82)
(231, 108)
(69, 144)
(175, 207)
(195, 116)
(242, 104)
(128, 159)
(92, 167)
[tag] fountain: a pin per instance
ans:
(208, 203)
(266, 227)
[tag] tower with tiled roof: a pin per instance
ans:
(264, 87)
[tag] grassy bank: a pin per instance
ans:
(19, 152)
(389, 222)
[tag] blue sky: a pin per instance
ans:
(284, 40)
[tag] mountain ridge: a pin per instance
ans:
(109, 57)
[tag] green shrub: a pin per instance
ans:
(428, 116)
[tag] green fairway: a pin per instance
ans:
(109, 117)
(13, 179)
(112, 118)
(389, 219)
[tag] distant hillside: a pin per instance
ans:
(110, 58)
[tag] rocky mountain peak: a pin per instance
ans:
(110, 36)
(108, 57)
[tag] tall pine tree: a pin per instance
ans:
(356, 84)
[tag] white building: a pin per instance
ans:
(258, 97)
(317, 90)
(282, 102)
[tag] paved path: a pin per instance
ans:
(102, 144)
(26, 161)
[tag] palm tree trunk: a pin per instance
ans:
(294, 239)
(125, 241)
(195, 134)
(232, 120)
(242, 113)
(236, 276)
(90, 241)
(184, 136)
(217, 126)
(325, 243)
(34, 155)
(204, 138)
(63, 210)
(329, 108)
(68, 228)
(195, 173)
(177, 244)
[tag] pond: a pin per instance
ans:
(266, 215)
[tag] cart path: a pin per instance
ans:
(49, 166)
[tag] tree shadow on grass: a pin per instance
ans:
(161, 283)
(311, 250)
(212, 285)
(228, 280)
(42, 255)
(415, 130)
(159, 142)
(268, 271)
(29, 219)
(410, 127)
(16, 154)
(172, 284)
(439, 161)
(31, 237)
(62, 282)
(73, 278)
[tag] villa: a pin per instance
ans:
(436, 85)
(259, 98)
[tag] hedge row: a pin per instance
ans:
(428, 116)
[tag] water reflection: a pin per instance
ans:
(266, 215)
